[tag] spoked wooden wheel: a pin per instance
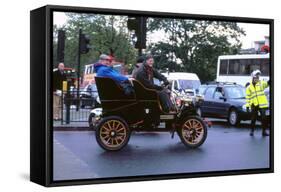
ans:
(193, 131)
(112, 133)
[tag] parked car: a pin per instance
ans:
(226, 101)
(89, 96)
(94, 117)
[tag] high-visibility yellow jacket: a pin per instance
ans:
(255, 94)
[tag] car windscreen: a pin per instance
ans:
(189, 84)
(202, 89)
(235, 92)
(209, 92)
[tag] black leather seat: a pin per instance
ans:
(112, 95)
(148, 98)
(143, 93)
(108, 89)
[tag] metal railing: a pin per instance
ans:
(75, 109)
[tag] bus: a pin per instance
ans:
(238, 68)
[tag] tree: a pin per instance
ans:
(194, 45)
(108, 34)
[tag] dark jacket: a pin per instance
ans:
(143, 75)
(58, 78)
(135, 70)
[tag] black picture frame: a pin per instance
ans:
(41, 130)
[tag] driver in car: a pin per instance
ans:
(104, 68)
(145, 75)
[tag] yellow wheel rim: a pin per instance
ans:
(192, 131)
(113, 133)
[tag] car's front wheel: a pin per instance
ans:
(192, 131)
(233, 118)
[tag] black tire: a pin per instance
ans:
(112, 133)
(233, 117)
(90, 121)
(197, 130)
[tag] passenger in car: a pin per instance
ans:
(145, 75)
(138, 65)
(104, 68)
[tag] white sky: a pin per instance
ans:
(59, 18)
(254, 32)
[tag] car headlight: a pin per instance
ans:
(244, 108)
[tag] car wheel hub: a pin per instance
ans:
(112, 133)
(233, 117)
(193, 131)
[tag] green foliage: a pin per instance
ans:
(188, 45)
(194, 45)
(107, 34)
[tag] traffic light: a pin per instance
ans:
(141, 33)
(60, 48)
(84, 44)
(132, 23)
(138, 24)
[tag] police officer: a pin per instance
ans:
(257, 101)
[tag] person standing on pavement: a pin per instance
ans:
(58, 77)
(145, 75)
(256, 101)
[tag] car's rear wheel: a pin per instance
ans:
(192, 131)
(233, 118)
(112, 133)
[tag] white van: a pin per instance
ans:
(187, 82)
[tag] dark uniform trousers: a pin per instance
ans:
(254, 116)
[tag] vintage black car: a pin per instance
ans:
(226, 101)
(141, 111)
